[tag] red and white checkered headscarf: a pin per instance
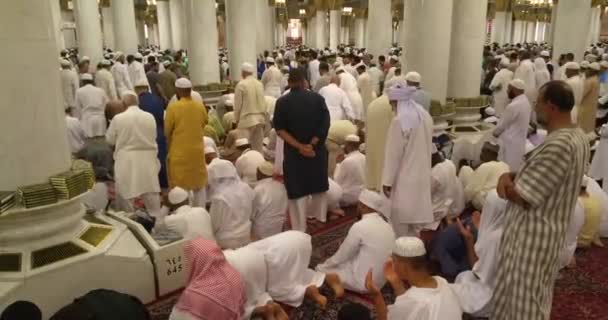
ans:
(215, 289)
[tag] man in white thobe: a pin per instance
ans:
(121, 75)
(376, 76)
(577, 83)
(599, 165)
(367, 245)
(394, 62)
(272, 79)
(137, 72)
(421, 97)
(269, 203)
(338, 131)
(512, 129)
(90, 106)
(406, 178)
(337, 101)
(499, 86)
(478, 183)
(350, 173)
(348, 83)
(69, 84)
(190, 222)
(313, 70)
(105, 80)
(527, 74)
(250, 106)
(75, 133)
(136, 166)
(445, 172)
(366, 88)
(247, 163)
(379, 118)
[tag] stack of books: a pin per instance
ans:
(69, 184)
(37, 195)
(87, 168)
(7, 200)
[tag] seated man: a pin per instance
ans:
(589, 233)
(444, 171)
(449, 247)
(190, 222)
(440, 198)
(247, 163)
(350, 173)
(231, 206)
(484, 179)
(210, 155)
(287, 257)
(336, 136)
(367, 246)
(428, 298)
(334, 194)
(269, 203)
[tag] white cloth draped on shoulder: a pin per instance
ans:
(574, 227)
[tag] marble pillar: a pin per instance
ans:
(595, 25)
(242, 35)
(531, 31)
(379, 24)
(57, 24)
(141, 32)
(551, 37)
(88, 28)
(335, 22)
(540, 31)
(152, 34)
(427, 52)
(262, 24)
(30, 51)
(360, 32)
(312, 32)
(499, 26)
(177, 25)
(202, 42)
(570, 33)
(108, 27)
(508, 27)
(125, 30)
(320, 24)
(164, 24)
(518, 31)
(272, 43)
(468, 38)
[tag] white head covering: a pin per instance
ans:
(488, 238)
(413, 76)
(408, 113)
(490, 111)
(65, 63)
(545, 53)
(183, 83)
(266, 168)
(572, 65)
(105, 62)
(583, 65)
(209, 150)
(518, 84)
(241, 142)
(504, 62)
(85, 58)
(604, 64)
(409, 247)
(352, 138)
(222, 169)
(167, 63)
(594, 66)
(86, 76)
(373, 200)
(248, 67)
(138, 56)
(540, 64)
(177, 195)
(270, 59)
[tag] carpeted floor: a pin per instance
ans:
(580, 293)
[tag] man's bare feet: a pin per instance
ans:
(313, 293)
(334, 282)
(279, 313)
(338, 212)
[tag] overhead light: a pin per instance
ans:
(347, 10)
(151, 2)
(302, 11)
(280, 1)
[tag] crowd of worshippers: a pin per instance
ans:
(337, 130)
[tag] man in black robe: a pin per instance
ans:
(301, 119)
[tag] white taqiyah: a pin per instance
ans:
(409, 247)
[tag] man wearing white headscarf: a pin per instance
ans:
(250, 106)
(190, 222)
(121, 74)
(105, 80)
(247, 165)
(90, 106)
(136, 167)
(407, 164)
(350, 173)
(69, 84)
(348, 83)
(269, 203)
(525, 72)
(474, 288)
(421, 97)
(271, 79)
(367, 245)
(572, 72)
(512, 128)
(542, 73)
(499, 86)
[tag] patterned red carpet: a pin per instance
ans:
(580, 293)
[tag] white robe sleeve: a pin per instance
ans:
(347, 251)
(217, 212)
(408, 310)
(347, 107)
(508, 117)
(395, 147)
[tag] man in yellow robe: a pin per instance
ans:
(185, 121)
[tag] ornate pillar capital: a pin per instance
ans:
(503, 5)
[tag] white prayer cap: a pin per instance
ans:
(177, 195)
(248, 67)
(269, 60)
(118, 54)
(266, 168)
(352, 138)
(518, 84)
(65, 63)
(373, 200)
(490, 111)
(604, 64)
(241, 142)
(594, 66)
(394, 58)
(209, 150)
(285, 68)
(504, 62)
(413, 76)
(167, 63)
(585, 181)
(138, 56)
(105, 62)
(340, 69)
(572, 65)
(183, 83)
(583, 65)
(85, 58)
(409, 247)
(266, 141)
(545, 53)
(224, 59)
(86, 76)
(229, 103)
(605, 56)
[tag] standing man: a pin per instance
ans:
(573, 78)
(499, 86)
(379, 118)
(271, 79)
(366, 88)
(91, 106)
(313, 70)
(541, 198)
(525, 72)
(137, 72)
(406, 178)
(337, 101)
(325, 78)
(69, 84)
(250, 106)
(185, 120)
(166, 81)
(121, 74)
(350, 173)
(133, 133)
(301, 119)
(512, 128)
(105, 80)
(421, 97)
(153, 76)
(591, 92)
